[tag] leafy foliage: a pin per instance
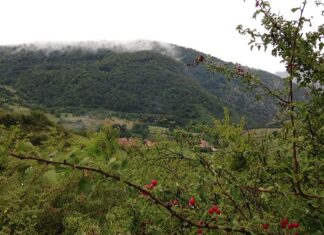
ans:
(215, 179)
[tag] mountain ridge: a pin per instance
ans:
(155, 81)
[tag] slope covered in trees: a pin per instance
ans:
(143, 82)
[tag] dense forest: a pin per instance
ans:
(144, 82)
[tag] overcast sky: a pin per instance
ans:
(205, 25)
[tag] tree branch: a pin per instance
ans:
(138, 188)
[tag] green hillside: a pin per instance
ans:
(240, 99)
(142, 82)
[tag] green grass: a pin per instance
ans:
(157, 131)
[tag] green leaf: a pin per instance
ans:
(60, 169)
(25, 147)
(50, 177)
(85, 185)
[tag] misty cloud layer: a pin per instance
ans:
(116, 46)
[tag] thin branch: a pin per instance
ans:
(235, 204)
(138, 188)
(302, 194)
(248, 77)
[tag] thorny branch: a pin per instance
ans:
(138, 188)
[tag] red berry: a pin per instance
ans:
(218, 211)
(296, 233)
(200, 231)
(149, 186)
(290, 226)
(211, 211)
(293, 225)
(154, 182)
(214, 209)
(265, 226)
(284, 223)
(192, 201)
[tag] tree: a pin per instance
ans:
(302, 54)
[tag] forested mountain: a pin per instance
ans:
(153, 81)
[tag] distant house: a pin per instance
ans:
(134, 142)
(149, 143)
(206, 147)
(130, 142)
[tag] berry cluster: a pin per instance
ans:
(151, 185)
(284, 225)
(214, 209)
